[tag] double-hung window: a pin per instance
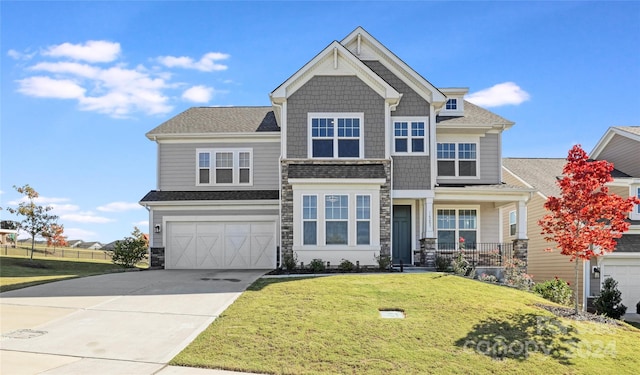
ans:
(335, 135)
(309, 220)
(409, 135)
(512, 223)
(363, 219)
(456, 226)
(336, 214)
(457, 159)
(224, 167)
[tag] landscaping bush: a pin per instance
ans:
(384, 261)
(608, 303)
(488, 278)
(346, 266)
(443, 264)
(557, 290)
(129, 251)
(461, 265)
(515, 275)
(317, 265)
(290, 261)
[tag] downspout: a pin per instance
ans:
(283, 151)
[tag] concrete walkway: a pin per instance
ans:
(123, 323)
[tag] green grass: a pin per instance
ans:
(20, 272)
(331, 325)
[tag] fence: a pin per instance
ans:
(62, 252)
(477, 254)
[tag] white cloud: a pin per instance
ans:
(206, 64)
(198, 94)
(16, 55)
(73, 68)
(507, 93)
(143, 223)
(40, 200)
(96, 51)
(85, 217)
(78, 234)
(60, 209)
(119, 207)
(45, 87)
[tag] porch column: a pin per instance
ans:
(428, 218)
(521, 220)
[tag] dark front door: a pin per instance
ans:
(401, 247)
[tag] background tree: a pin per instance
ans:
(36, 218)
(585, 220)
(55, 236)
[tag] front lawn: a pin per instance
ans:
(21, 272)
(453, 325)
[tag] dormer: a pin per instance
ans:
(455, 101)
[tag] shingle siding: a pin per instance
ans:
(411, 173)
(335, 94)
(177, 162)
(411, 104)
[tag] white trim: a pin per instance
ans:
(417, 194)
(216, 137)
(515, 223)
(337, 181)
(634, 191)
(409, 137)
(208, 205)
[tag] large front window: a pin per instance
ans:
(224, 167)
(409, 135)
(456, 226)
(337, 219)
(335, 135)
(457, 159)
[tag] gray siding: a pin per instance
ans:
(335, 94)
(624, 153)
(411, 173)
(411, 103)
(489, 166)
(177, 163)
(159, 214)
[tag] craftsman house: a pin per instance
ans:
(357, 157)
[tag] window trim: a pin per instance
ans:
(235, 166)
(457, 209)
(306, 220)
(409, 120)
(335, 116)
(364, 220)
(457, 159)
(634, 191)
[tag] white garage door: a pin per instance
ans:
(628, 278)
(220, 245)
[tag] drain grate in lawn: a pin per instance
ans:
(392, 313)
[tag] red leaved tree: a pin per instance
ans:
(55, 237)
(585, 220)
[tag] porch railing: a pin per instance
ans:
(477, 254)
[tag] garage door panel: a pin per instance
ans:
(628, 278)
(220, 245)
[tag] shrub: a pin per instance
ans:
(384, 261)
(346, 266)
(443, 264)
(461, 265)
(317, 265)
(638, 307)
(488, 278)
(609, 301)
(557, 290)
(129, 251)
(515, 275)
(290, 261)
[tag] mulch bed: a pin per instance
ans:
(570, 313)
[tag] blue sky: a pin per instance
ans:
(83, 81)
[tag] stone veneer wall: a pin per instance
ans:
(286, 202)
(157, 257)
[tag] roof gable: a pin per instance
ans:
(631, 132)
(334, 60)
(366, 47)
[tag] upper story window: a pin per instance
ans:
(409, 135)
(452, 104)
(335, 135)
(457, 159)
(635, 214)
(224, 167)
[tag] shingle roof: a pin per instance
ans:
(543, 173)
(168, 196)
(628, 243)
(473, 115)
(630, 129)
(336, 171)
(200, 120)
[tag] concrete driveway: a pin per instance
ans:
(122, 323)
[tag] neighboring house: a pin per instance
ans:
(110, 246)
(617, 146)
(74, 243)
(8, 237)
(358, 156)
(90, 245)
